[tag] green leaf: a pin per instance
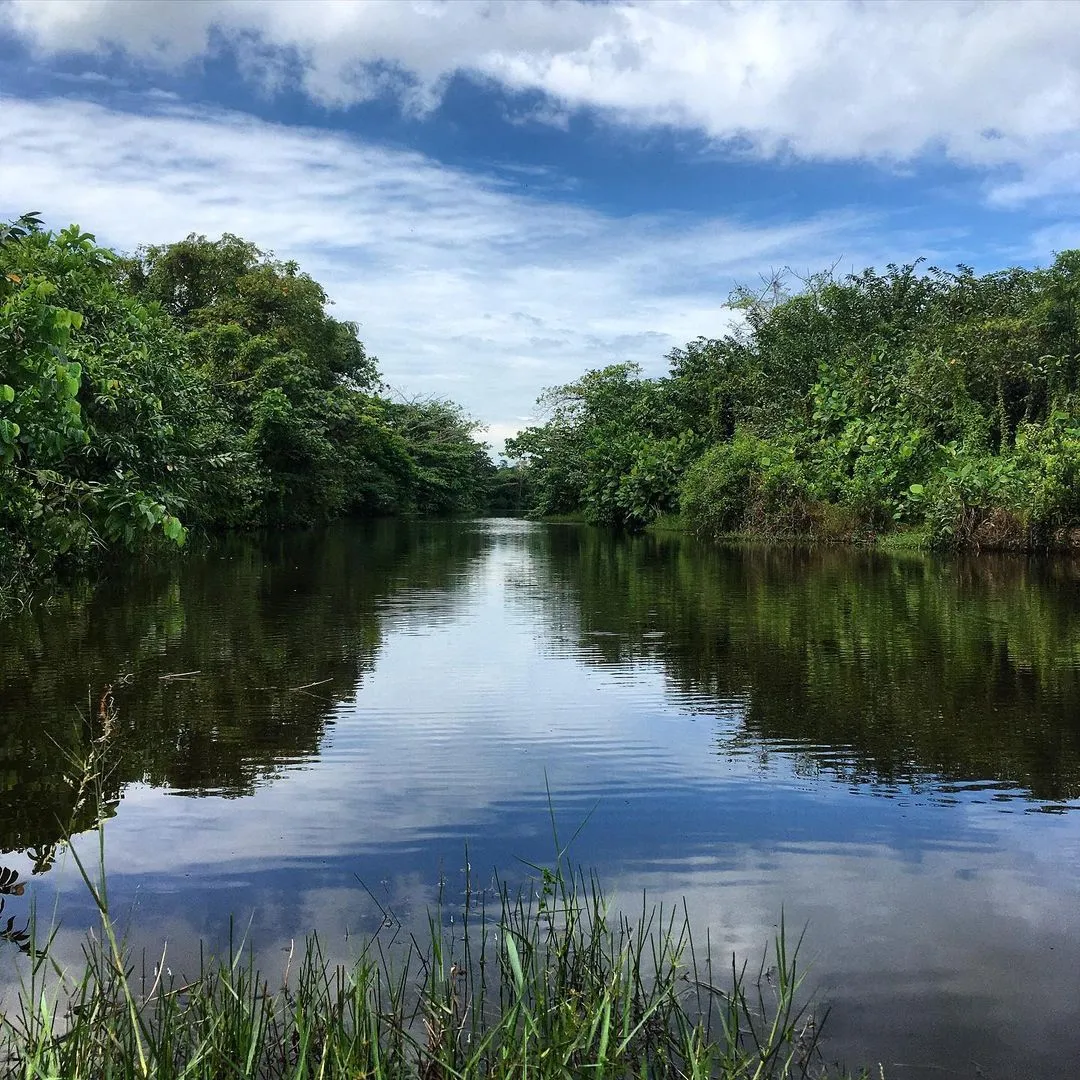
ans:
(515, 964)
(174, 530)
(7, 393)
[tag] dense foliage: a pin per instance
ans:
(944, 404)
(199, 384)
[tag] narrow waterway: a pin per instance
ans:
(317, 730)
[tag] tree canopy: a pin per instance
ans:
(198, 384)
(942, 403)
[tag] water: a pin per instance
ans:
(886, 749)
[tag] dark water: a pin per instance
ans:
(885, 748)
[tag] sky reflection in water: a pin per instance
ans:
(885, 748)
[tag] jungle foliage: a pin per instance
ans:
(199, 384)
(942, 404)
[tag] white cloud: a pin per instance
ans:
(988, 84)
(1063, 236)
(462, 285)
(1053, 182)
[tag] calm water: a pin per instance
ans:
(888, 749)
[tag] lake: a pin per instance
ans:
(318, 730)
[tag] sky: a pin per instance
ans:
(506, 194)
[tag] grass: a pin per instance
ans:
(833, 532)
(548, 984)
(545, 981)
(575, 518)
(913, 539)
(667, 523)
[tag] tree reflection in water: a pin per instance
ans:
(269, 639)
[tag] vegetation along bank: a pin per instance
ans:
(930, 407)
(203, 385)
(199, 385)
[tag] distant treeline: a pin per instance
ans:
(199, 385)
(944, 406)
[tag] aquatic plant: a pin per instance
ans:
(547, 983)
(549, 979)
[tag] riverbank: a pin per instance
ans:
(909, 538)
(667, 524)
(945, 403)
(196, 388)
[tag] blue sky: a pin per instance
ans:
(506, 194)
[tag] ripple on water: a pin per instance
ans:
(884, 748)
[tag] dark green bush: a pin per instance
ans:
(746, 484)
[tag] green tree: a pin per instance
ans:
(450, 470)
(102, 432)
(614, 447)
(201, 384)
(297, 382)
(917, 398)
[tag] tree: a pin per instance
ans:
(451, 470)
(100, 439)
(296, 381)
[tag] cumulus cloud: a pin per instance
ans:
(987, 84)
(463, 284)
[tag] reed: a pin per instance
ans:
(546, 980)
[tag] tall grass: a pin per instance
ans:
(543, 981)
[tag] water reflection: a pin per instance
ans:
(847, 735)
(878, 669)
(226, 670)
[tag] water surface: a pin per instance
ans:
(886, 749)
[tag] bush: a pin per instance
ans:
(975, 501)
(651, 486)
(747, 484)
(716, 488)
(1049, 458)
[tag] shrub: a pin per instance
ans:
(746, 484)
(1049, 458)
(975, 501)
(716, 488)
(651, 487)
